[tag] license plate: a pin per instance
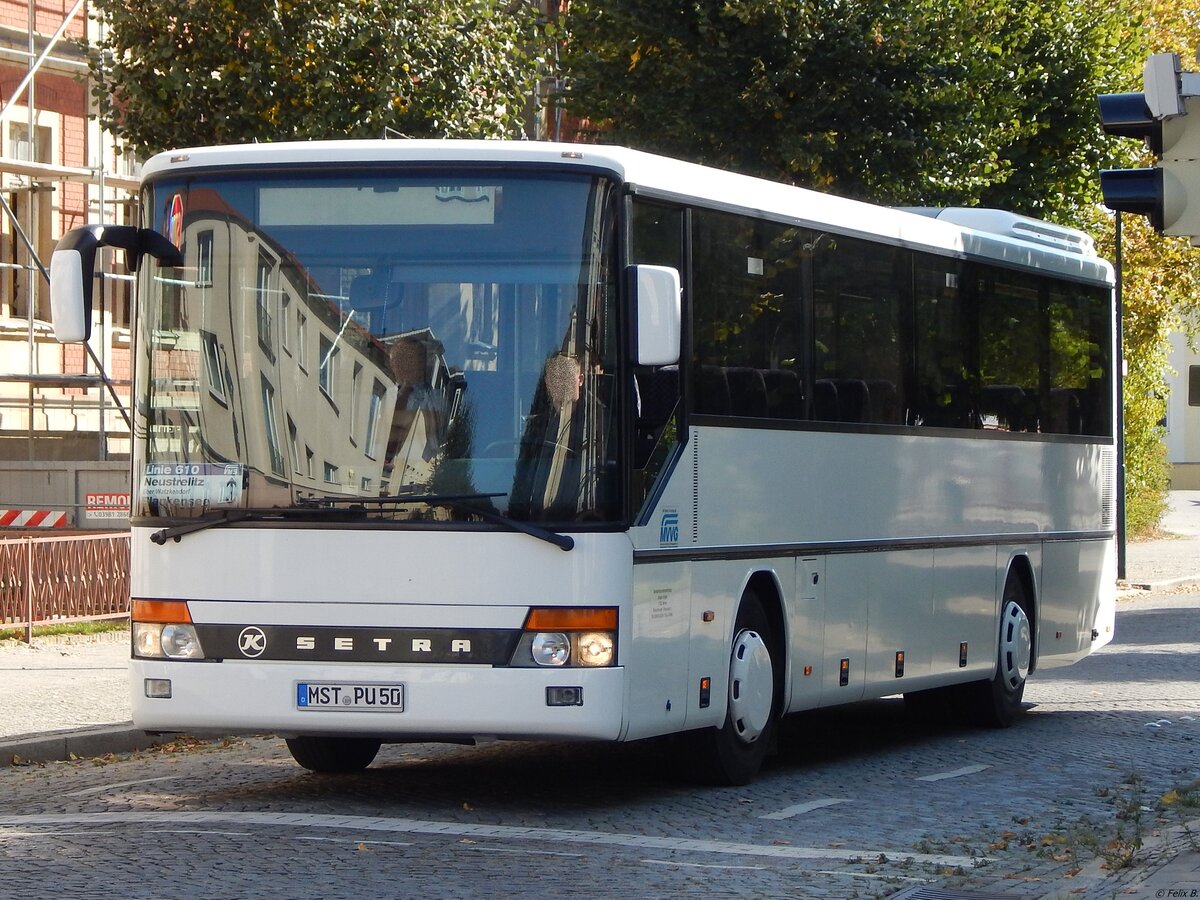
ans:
(357, 697)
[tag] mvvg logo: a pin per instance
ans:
(668, 529)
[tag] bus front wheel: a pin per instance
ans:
(333, 754)
(733, 753)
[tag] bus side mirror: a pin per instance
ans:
(73, 266)
(658, 314)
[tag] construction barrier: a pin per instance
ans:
(34, 518)
(53, 580)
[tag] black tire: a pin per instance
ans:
(996, 703)
(733, 753)
(333, 754)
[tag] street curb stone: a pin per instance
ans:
(54, 746)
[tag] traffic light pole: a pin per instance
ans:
(1120, 429)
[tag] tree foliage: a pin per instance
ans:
(191, 72)
(1161, 286)
(963, 102)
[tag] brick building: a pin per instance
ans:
(62, 433)
(57, 171)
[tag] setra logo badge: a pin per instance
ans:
(252, 641)
(668, 529)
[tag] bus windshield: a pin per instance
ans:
(356, 339)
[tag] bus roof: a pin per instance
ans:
(991, 234)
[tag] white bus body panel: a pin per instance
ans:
(424, 568)
(1078, 600)
(397, 579)
(881, 544)
(446, 702)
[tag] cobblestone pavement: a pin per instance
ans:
(859, 803)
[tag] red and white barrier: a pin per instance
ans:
(34, 518)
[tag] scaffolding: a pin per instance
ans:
(58, 169)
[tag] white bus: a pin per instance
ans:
(452, 440)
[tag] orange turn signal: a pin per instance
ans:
(571, 618)
(165, 611)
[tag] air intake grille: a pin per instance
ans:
(695, 487)
(1108, 487)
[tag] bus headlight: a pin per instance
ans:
(559, 637)
(594, 648)
(181, 642)
(551, 649)
(163, 629)
(147, 639)
(174, 641)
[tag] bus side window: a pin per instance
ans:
(860, 330)
(747, 318)
(658, 400)
(656, 238)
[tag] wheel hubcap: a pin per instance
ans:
(751, 686)
(1016, 645)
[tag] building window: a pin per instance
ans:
(262, 302)
(272, 435)
(355, 392)
(293, 439)
(212, 367)
(302, 340)
(374, 414)
(204, 259)
(325, 367)
(285, 322)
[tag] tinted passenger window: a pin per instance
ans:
(1080, 397)
(945, 385)
(746, 318)
(858, 298)
(1011, 348)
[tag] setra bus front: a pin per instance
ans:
(378, 444)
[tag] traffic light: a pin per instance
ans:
(1166, 115)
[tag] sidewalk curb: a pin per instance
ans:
(1136, 587)
(53, 746)
(1163, 864)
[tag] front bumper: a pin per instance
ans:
(441, 702)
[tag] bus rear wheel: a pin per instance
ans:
(333, 754)
(997, 703)
(733, 753)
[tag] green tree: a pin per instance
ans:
(1161, 294)
(186, 72)
(964, 102)
(920, 102)
(1161, 285)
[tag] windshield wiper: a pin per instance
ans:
(457, 502)
(345, 506)
(561, 541)
(225, 517)
(229, 516)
